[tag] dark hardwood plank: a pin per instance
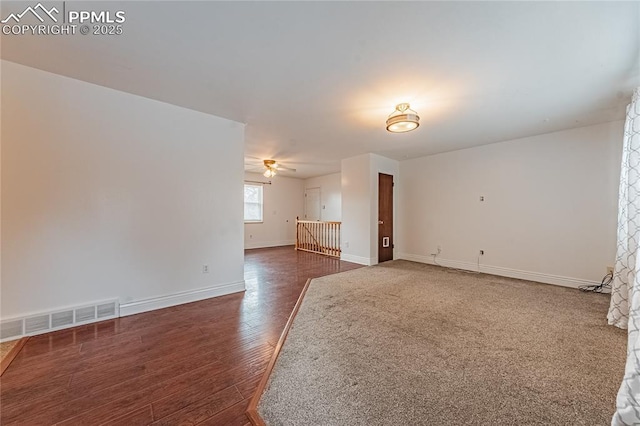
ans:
(194, 363)
(248, 387)
(108, 343)
(200, 388)
(66, 405)
(96, 379)
(172, 394)
(140, 417)
(202, 409)
(23, 394)
(232, 416)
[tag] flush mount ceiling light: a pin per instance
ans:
(403, 119)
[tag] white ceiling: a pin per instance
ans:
(315, 81)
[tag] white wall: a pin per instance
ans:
(283, 201)
(330, 196)
(550, 208)
(360, 206)
(356, 210)
(109, 195)
(1, 173)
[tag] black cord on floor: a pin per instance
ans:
(604, 284)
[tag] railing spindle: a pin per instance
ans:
(318, 237)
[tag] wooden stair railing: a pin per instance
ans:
(318, 237)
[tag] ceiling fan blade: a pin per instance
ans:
(288, 169)
(261, 165)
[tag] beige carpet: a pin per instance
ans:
(408, 344)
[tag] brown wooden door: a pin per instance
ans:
(385, 217)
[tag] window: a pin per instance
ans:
(252, 203)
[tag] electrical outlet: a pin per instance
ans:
(481, 252)
(205, 269)
(610, 270)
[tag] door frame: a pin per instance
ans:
(319, 202)
(393, 215)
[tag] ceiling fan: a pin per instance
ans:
(272, 167)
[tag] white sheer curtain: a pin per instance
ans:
(624, 311)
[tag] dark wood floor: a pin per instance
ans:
(197, 363)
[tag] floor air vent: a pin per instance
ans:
(52, 321)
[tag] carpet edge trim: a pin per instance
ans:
(252, 409)
(13, 353)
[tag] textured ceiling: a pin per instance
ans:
(315, 81)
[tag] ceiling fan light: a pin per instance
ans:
(403, 119)
(269, 173)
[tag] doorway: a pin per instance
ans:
(312, 204)
(385, 217)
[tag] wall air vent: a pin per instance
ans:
(60, 319)
(11, 329)
(35, 324)
(52, 321)
(106, 310)
(85, 314)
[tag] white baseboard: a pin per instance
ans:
(141, 306)
(265, 244)
(501, 271)
(358, 259)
